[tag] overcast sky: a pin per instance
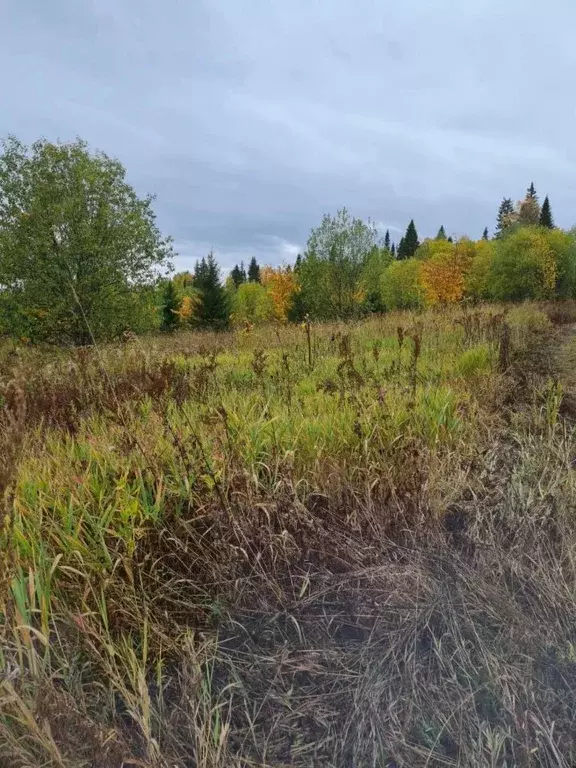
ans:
(250, 118)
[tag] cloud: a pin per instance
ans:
(251, 120)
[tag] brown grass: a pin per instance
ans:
(409, 603)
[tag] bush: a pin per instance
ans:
(524, 267)
(252, 304)
(477, 279)
(563, 246)
(400, 285)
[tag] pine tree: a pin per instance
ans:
(253, 271)
(485, 234)
(387, 240)
(531, 192)
(409, 242)
(169, 307)
(213, 306)
(441, 233)
(505, 213)
(546, 218)
(393, 250)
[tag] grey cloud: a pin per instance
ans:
(249, 119)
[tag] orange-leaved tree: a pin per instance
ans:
(282, 285)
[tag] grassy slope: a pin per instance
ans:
(233, 550)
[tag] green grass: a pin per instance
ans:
(218, 552)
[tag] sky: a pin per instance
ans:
(250, 119)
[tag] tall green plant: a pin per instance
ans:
(409, 243)
(169, 307)
(76, 243)
(331, 270)
(213, 307)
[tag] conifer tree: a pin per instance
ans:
(505, 214)
(238, 275)
(213, 306)
(387, 240)
(169, 307)
(531, 192)
(393, 250)
(253, 271)
(441, 233)
(485, 234)
(528, 211)
(409, 242)
(546, 218)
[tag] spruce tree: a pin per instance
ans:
(485, 234)
(238, 274)
(393, 250)
(409, 242)
(213, 307)
(387, 240)
(505, 212)
(441, 233)
(531, 192)
(298, 263)
(169, 307)
(546, 218)
(253, 271)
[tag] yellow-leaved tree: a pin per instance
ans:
(187, 307)
(282, 286)
(444, 271)
(442, 279)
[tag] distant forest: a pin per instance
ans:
(82, 260)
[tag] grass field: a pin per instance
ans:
(337, 545)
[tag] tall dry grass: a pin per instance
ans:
(242, 550)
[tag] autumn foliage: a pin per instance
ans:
(187, 306)
(281, 284)
(442, 279)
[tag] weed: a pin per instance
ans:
(475, 361)
(211, 559)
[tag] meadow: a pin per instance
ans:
(293, 545)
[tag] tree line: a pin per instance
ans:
(82, 259)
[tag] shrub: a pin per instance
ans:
(400, 285)
(524, 267)
(477, 280)
(252, 303)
